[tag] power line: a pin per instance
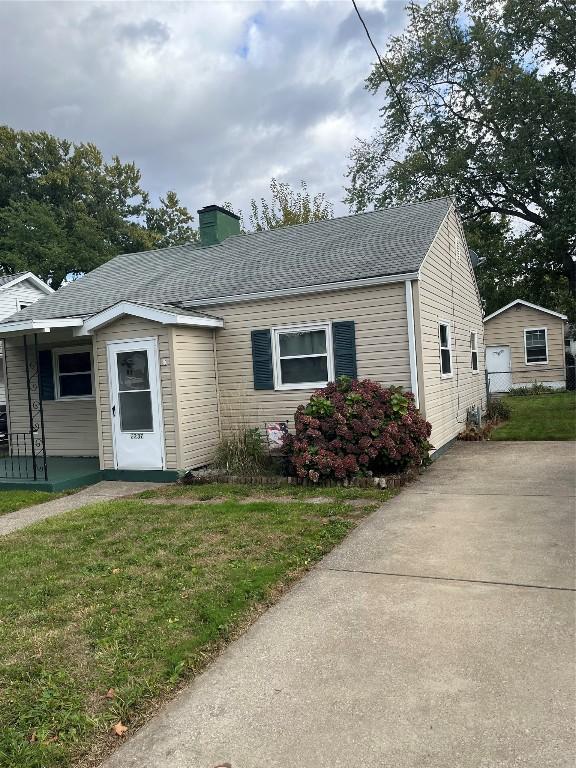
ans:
(392, 86)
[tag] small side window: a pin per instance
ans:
(474, 351)
(445, 341)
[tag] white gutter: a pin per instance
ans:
(412, 342)
(305, 289)
(43, 325)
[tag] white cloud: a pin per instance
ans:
(211, 99)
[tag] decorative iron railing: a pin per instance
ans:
(21, 457)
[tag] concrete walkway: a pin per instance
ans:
(439, 635)
(102, 491)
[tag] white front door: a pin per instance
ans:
(137, 431)
(499, 369)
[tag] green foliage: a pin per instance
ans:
(319, 406)
(534, 389)
(285, 207)
(399, 403)
(64, 210)
(241, 453)
(497, 409)
(489, 90)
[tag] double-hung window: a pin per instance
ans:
(73, 372)
(474, 351)
(536, 345)
(303, 357)
(445, 342)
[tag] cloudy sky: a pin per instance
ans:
(210, 99)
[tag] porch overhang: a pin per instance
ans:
(163, 315)
(44, 325)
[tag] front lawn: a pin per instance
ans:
(10, 501)
(106, 610)
(539, 417)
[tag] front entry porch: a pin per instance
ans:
(63, 473)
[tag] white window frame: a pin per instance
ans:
(56, 367)
(536, 362)
(474, 349)
(449, 348)
(277, 331)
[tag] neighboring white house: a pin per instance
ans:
(17, 292)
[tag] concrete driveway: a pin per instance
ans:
(439, 635)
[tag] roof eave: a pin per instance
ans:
(305, 289)
(44, 325)
(164, 317)
(525, 304)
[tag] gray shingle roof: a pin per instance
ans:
(387, 242)
(8, 278)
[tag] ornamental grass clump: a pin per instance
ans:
(357, 428)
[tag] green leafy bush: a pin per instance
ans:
(534, 389)
(497, 410)
(241, 452)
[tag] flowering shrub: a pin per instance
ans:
(355, 427)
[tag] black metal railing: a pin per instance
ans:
(21, 457)
(545, 381)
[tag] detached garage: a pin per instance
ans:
(524, 345)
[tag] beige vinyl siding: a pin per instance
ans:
(447, 292)
(379, 314)
(507, 329)
(70, 426)
(196, 394)
(128, 329)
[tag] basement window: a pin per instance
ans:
(445, 341)
(73, 373)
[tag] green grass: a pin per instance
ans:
(10, 501)
(539, 417)
(238, 491)
(136, 596)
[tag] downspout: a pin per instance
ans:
(412, 343)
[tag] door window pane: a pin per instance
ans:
(136, 412)
(133, 370)
(304, 369)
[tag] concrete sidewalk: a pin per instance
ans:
(438, 635)
(102, 491)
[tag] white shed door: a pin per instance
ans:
(498, 368)
(137, 430)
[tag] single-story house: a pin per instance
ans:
(18, 291)
(524, 345)
(143, 363)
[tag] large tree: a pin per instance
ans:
(478, 103)
(65, 211)
(285, 206)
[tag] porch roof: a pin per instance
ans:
(166, 314)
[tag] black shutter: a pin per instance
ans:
(46, 374)
(344, 341)
(262, 359)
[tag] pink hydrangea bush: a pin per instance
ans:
(352, 428)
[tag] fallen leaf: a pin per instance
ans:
(110, 693)
(115, 570)
(113, 610)
(33, 736)
(120, 729)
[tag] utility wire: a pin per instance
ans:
(392, 86)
